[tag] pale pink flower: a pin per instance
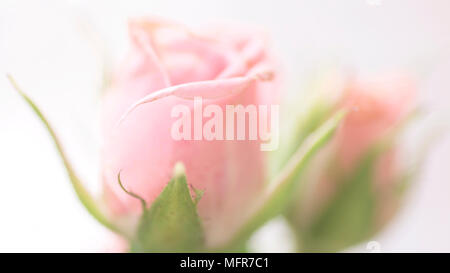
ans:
(376, 108)
(166, 57)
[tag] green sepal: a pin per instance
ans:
(171, 224)
(298, 129)
(91, 204)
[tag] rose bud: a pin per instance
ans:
(353, 186)
(172, 65)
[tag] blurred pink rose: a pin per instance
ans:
(165, 54)
(376, 108)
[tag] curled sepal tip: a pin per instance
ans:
(132, 194)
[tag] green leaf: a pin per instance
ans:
(349, 217)
(82, 193)
(172, 223)
(281, 190)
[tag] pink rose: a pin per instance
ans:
(228, 66)
(376, 108)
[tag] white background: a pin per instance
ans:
(44, 44)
